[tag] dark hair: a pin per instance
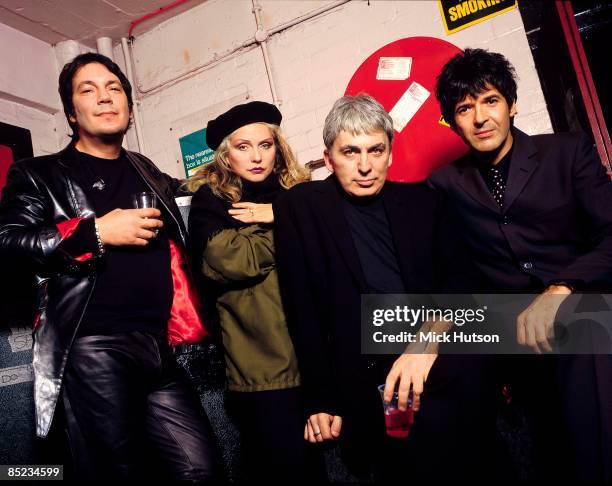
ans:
(68, 72)
(468, 73)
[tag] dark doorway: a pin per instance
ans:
(17, 289)
(566, 106)
(15, 144)
(17, 295)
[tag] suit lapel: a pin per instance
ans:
(403, 224)
(153, 183)
(522, 166)
(474, 185)
(330, 208)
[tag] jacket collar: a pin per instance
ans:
(522, 165)
(403, 224)
(330, 207)
(68, 160)
(398, 213)
(165, 196)
(83, 207)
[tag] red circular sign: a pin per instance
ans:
(402, 77)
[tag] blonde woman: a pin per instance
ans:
(231, 231)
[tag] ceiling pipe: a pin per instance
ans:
(153, 14)
(261, 36)
(105, 47)
(307, 16)
(66, 51)
(136, 107)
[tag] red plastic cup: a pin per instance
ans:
(397, 422)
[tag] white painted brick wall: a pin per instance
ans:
(191, 39)
(29, 70)
(312, 63)
(277, 12)
(28, 88)
(41, 125)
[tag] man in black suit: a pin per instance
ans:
(536, 212)
(353, 234)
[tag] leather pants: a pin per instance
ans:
(131, 414)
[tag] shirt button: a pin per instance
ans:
(527, 265)
(506, 220)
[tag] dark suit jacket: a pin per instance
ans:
(322, 280)
(555, 226)
(556, 222)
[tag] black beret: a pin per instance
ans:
(239, 116)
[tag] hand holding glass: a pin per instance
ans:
(142, 200)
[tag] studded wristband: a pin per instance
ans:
(100, 245)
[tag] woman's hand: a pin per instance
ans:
(321, 427)
(252, 213)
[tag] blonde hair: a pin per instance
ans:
(224, 183)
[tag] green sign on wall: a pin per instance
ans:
(195, 152)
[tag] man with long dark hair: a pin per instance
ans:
(114, 292)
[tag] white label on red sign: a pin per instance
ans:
(408, 105)
(394, 68)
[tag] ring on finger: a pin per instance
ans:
(317, 433)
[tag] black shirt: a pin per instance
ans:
(369, 226)
(503, 166)
(133, 290)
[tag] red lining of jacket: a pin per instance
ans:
(185, 325)
(67, 229)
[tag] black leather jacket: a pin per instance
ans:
(42, 193)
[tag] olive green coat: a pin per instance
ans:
(259, 354)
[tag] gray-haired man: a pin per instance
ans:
(355, 233)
